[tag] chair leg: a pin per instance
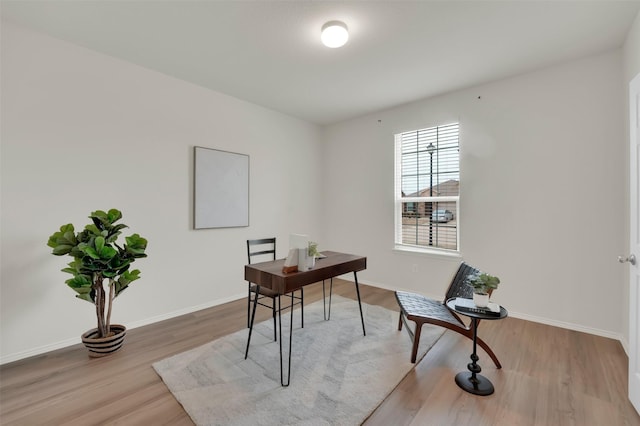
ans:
(400, 322)
(416, 342)
(249, 307)
(253, 317)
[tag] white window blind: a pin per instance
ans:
(427, 187)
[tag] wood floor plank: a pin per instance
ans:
(550, 376)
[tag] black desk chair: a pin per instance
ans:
(264, 250)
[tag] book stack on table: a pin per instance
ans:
(467, 305)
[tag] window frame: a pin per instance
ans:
(399, 201)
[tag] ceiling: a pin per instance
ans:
(269, 52)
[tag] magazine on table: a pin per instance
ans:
(467, 305)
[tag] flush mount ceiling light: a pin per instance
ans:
(334, 34)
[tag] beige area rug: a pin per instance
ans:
(338, 376)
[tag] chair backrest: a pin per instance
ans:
(458, 288)
(258, 250)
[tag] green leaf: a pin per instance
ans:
(91, 252)
(99, 244)
(85, 296)
(93, 229)
(107, 253)
(106, 219)
(114, 215)
(78, 282)
(70, 238)
(62, 250)
(67, 228)
(98, 214)
(76, 252)
(132, 275)
(65, 236)
(136, 245)
(82, 286)
(125, 279)
(71, 271)
(109, 273)
(114, 232)
(119, 264)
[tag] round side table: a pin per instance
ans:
(472, 381)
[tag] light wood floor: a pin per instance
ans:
(550, 376)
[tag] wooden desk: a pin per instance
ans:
(270, 275)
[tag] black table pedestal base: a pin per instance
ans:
(472, 381)
(476, 384)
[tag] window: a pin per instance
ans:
(427, 186)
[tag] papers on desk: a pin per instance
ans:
(467, 305)
(298, 241)
(292, 258)
(291, 262)
(298, 257)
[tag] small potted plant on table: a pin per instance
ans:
(483, 284)
(100, 272)
(312, 253)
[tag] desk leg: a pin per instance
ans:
(290, 341)
(253, 315)
(355, 275)
(324, 300)
(474, 382)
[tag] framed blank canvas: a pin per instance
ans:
(221, 193)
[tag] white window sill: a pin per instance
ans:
(440, 254)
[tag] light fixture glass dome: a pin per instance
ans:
(334, 34)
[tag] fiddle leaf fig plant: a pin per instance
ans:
(99, 262)
(482, 282)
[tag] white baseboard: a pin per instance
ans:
(527, 317)
(568, 326)
(347, 277)
(73, 341)
(39, 350)
(625, 346)
(184, 311)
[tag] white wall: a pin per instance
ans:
(542, 162)
(69, 115)
(631, 50)
(82, 131)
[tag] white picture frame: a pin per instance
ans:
(221, 189)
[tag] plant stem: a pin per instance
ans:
(99, 301)
(111, 297)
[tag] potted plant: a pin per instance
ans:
(312, 253)
(483, 284)
(100, 271)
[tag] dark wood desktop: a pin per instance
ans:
(270, 275)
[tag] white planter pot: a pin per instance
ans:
(311, 262)
(481, 300)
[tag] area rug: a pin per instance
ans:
(338, 376)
